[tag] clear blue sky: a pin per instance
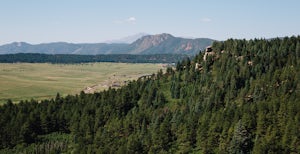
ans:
(40, 21)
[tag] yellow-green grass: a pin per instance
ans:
(23, 81)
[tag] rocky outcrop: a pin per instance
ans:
(208, 52)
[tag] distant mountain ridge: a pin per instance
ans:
(149, 44)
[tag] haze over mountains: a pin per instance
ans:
(146, 44)
(127, 39)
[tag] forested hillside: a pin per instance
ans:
(243, 98)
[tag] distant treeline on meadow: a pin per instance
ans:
(67, 58)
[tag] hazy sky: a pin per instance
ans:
(38, 21)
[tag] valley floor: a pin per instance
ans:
(21, 81)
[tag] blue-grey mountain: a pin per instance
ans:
(149, 44)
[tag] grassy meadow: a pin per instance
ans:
(20, 81)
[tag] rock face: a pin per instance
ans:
(150, 44)
(208, 52)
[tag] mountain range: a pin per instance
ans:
(146, 44)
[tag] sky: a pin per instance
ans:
(93, 21)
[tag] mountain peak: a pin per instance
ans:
(163, 35)
(153, 40)
(167, 43)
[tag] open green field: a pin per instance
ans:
(20, 81)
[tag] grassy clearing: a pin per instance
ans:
(19, 81)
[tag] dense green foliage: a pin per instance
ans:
(71, 59)
(243, 99)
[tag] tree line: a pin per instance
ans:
(70, 58)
